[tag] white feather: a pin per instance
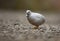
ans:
(35, 18)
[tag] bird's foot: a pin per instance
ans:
(35, 28)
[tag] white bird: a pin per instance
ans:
(35, 19)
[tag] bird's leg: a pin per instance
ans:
(36, 27)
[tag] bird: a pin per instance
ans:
(35, 19)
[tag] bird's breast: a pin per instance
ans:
(36, 20)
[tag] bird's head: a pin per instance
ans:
(28, 12)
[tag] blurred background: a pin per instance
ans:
(30, 4)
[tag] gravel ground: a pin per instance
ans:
(15, 27)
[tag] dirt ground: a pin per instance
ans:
(14, 26)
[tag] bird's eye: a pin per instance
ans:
(28, 14)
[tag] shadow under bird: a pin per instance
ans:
(35, 19)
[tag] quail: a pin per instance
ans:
(35, 19)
